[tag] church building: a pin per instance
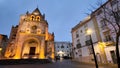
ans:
(30, 39)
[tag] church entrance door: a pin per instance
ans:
(32, 51)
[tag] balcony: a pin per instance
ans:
(105, 28)
(109, 41)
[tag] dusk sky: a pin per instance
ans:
(61, 15)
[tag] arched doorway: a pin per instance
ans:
(30, 49)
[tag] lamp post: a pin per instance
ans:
(89, 33)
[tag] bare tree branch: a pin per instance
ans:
(111, 24)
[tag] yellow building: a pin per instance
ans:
(3, 43)
(31, 39)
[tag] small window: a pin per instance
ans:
(37, 18)
(108, 38)
(76, 53)
(85, 26)
(74, 48)
(86, 30)
(77, 34)
(79, 50)
(88, 42)
(88, 37)
(80, 55)
(78, 45)
(114, 2)
(32, 17)
(81, 31)
(58, 46)
(103, 24)
(78, 41)
(90, 50)
(62, 46)
(118, 12)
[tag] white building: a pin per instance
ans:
(107, 32)
(81, 41)
(103, 35)
(63, 49)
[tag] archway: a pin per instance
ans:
(30, 49)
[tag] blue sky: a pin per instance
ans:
(61, 15)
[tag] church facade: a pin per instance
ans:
(31, 39)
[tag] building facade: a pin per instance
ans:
(63, 49)
(103, 35)
(3, 44)
(31, 39)
(108, 35)
(81, 41)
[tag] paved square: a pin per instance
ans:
(58, 64)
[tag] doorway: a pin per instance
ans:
(32, 51)
(113, 56)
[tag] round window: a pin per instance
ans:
(34, 27)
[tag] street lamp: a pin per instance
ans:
(89, 32)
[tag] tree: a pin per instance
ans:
(111, 16)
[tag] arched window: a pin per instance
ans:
(37, 18)
(32, 18)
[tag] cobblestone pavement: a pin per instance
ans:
(58, 64)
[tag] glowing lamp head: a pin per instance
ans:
(89, 31)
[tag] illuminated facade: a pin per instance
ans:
(31, 39)
(3, 43)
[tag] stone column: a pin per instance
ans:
(18, 51)
(42, 49)
(53, 50)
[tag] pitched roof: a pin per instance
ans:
(36, 12)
